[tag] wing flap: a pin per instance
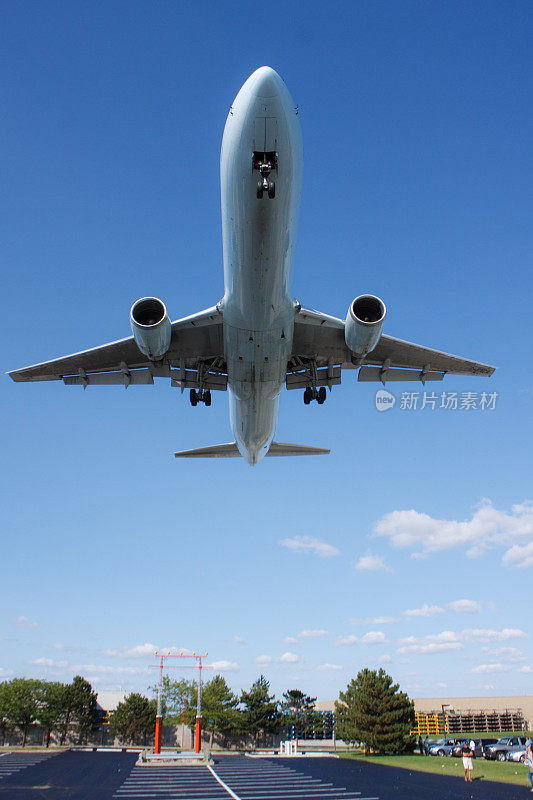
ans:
(320, 337)
(194, 338)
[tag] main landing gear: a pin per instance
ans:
(264, 163)
(200, 396)
(315, 394)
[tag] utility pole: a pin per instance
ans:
(159, 714)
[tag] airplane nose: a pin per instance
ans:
(267, 82)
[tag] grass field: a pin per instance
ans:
(505, 772)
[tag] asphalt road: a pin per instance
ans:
(113, 776)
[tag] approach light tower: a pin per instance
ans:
(159, 715)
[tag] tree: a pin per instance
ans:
(134, 719)
(5, 723)
(20, 703)
(52, 701)
(219, 709)
(83, 705)
(299, 711)
(374, 712)
(260, 714)
(177, 698)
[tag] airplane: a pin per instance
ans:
(257, 338)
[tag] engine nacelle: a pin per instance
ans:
(151, 327)
(364, 323)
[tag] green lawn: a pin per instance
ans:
(505, 772)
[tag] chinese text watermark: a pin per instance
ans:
(433, 401)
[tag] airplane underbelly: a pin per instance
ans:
(258, 232)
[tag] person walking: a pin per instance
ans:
(468, 755)
(426, 746)
(529, 763)
(421, 746)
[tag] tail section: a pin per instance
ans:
(230, 450)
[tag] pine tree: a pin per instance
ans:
(260, 714)
(372, 711)
(299, 711)
(134, 719)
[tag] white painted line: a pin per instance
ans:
(224, 785)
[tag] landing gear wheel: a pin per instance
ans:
(271, 190)
(260, 190)
(207, 397)
(321, 397)
(307, 396)
(193, 397)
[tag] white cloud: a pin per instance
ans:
(465, 606)
(345, 640)
(263, 660)
(449, 640)
(489, 634)
(239, 640)
(105, 669)
(486, 528)
(520, 556)
(224, 666)
(525, 669)
(146, 650)
(425, 611)
(291, 640)
(373, 637)
(48, 662)
(386, 659)
(307, 544)
(372, 563)
(485, 669)
(24, 622)
(381, 620)
(328, 667)
(488, 687)
(507, 653)
(315, 634)
(429, 645)
(431, 648)
(289, 658)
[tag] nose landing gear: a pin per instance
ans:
(265, 163)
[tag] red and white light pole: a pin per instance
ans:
(159, 713)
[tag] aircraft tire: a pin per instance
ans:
(260, 190)
(307, 396)
(193, 398)
(208, 397)
(272, 190)
(321, 395)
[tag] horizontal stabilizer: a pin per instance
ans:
(231, 450)
(281, 449)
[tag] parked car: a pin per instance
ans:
(443, 747)
(504, 746)
(479, 747)
(517, 755)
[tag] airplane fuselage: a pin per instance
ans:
(258, 244)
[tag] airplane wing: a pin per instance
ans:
(196, 347)
(318, 343)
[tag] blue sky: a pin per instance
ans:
(411, 545)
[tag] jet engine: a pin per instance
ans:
(364, 323)
(151, 327)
